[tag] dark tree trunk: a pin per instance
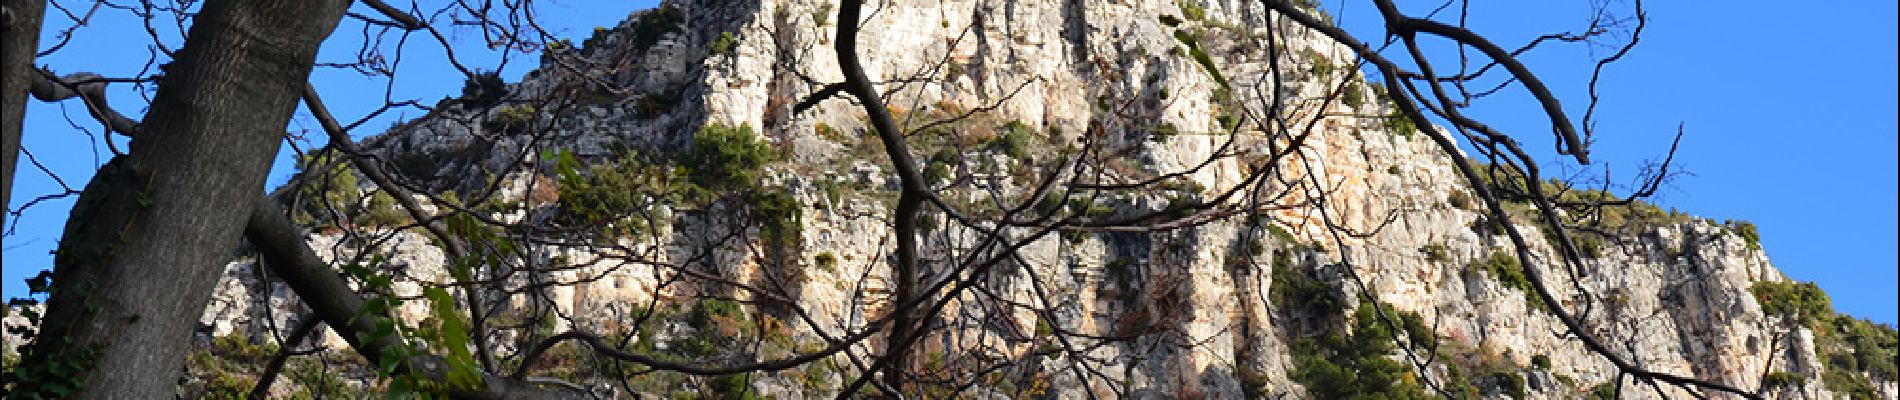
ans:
(905, 299)
(151, 233)
(21, 20)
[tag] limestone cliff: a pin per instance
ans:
(1672, 293)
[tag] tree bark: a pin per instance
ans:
(904, 296)
(150, 234)
(21, 19)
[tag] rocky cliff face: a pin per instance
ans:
(1672, 294)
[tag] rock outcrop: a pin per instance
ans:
(1671, 295)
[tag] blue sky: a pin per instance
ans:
(115, 44)
(1790, 114)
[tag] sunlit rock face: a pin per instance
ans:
(1672, 297)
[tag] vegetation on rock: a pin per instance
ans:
(1504, 268)
(483, 90)
(1360, 363)
(1800, 302)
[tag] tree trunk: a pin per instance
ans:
(910, 201)
(151, 233)
(21, 19)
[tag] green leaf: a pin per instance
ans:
(460, 269)
(453, 336)
(384, 327)
(387, 365)
(566, 165)
(378, 282)
(401, 389)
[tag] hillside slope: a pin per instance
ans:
(1257, 298)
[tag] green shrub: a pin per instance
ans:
(653, 25)
(694, 346)
(235, 346)
(1587, 211)
(780, 219)
(1749, 234)
(1226, 121)
(1399, 124)
(1506, 270)
(1782, 379)
(1169, 20)
(938, 170)
(928, 222)
(329, 195)
(228, 387)
(1848, 384)
(1588, 245)
(483, 90)
(1079, 205)
(728, 163)
(229, 366)
(325, 192)
(1163, 132)
(511, 118)
(1050, 203)
(1603, 391)
(316, 382)
(708, 311)
(1016, 141)
(1875, 346)
(834, 192)
(1470, 368)
(1317, 64)
(1359, 363)
(816, 375)
(1511, 382)
(1458, 384)
(1292, 289)
(1355, 95)
(1541, 361)
(826, 261)
(733, 387)
(609, 195)
(724, 45)
(1853, 348)
(725, 158)
(383, 210)
(1278, 233)
(1192, 41)
(416, 164)
(1435, 252)
(1459, 200)
(1801, 302)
